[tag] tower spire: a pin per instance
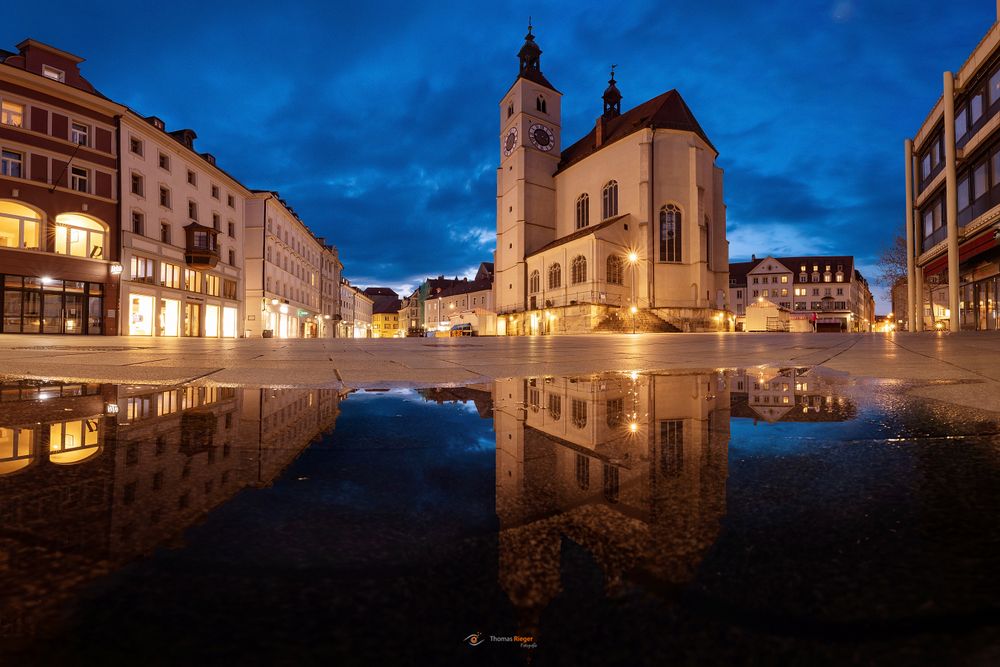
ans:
(612, 98)
(530, 54)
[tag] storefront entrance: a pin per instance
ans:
(47, 306)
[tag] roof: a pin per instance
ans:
(380, 291)
(466, 287)
(666, 111)
(794, 264)
(738, 271)
(578, 234)
(385, 306)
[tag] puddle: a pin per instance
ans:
(625, 518)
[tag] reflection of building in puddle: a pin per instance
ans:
(92, 476)
(791, 394)
(630, 467)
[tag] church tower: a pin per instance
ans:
(529, 157)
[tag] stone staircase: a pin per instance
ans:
(620, 321)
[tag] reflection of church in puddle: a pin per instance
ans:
(791, 395)
(630, 467)
(93, 475)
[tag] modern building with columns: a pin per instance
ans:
(953, 197)
(629, 216)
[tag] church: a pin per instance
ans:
(623, 230)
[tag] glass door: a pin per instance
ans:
(74, 314)
(192, 319)
(52, 313)
(12, 311)
(31, 317)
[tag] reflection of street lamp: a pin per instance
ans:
(633, 259)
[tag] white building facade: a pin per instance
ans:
(182, 236)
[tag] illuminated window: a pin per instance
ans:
(12, 113)
(141, 270)
(192, 280)
(74, 441)
(19, 226)
(80, 236)
(211, 284)
(53, 73)
(16, 449)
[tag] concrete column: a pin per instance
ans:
(919, 288)
(951, 196)
(910, 240)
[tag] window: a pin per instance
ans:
(19, 226)
(211, 285)
(230, 201)
(961, 126)
(840, 291)
(582, 211)
(609, 200)
(555, 406)
(164, 162)
(12, 164)
(670, 234)
(784, 279)
(79, 134)
(816, 291)
(578, 410)
(540, 104)
(192, 280)
(963, 193)
(975, 108)
(578, 270)
(79, 236)
(994, 89)
(192, 178)
(614, 270)
(165, 232)
(534, 282)
(138, 185)
(232, 257)
(582, 472)
(555, 276)
(52, 73)
(671, 447)
(141, 270)
(229, 289)
(135, 145)
(193, 210)
(164, 196)
(138, 222)
(216, 221)
(765, 293)
(215, 191)
(979, 187)
(231, 230)
(79, 179)
(784, 292)
(12, 113)
(170, 275)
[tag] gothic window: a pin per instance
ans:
(578, 270)
(670, 234)
(534, 282)
(555, 406)
(579, 410)
(616, 412)
(614, 270)
(582, 472)
(555, 276)
(582, 211)
(671, 447)
(540, 104)
(609, 200)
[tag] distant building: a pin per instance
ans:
(410, 318)
(827, 289)
(385, 312)
(953, 199)
(469, 301)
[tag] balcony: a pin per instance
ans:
(202, 250)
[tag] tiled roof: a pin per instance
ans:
(466, 287)
(578, 234)
(667, 111)
(738, 271)
(386, 305)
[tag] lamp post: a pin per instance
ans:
(633, 259)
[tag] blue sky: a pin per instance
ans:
(377, 121)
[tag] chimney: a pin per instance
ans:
(599, 126)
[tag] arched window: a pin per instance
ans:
(578, 270)
(670, 234)
(534, 282)
(19, 226)
(582, 211)
(579, 412)
(555, 276)
(614, 270)
(540, 104)
(609, 200)
(80, 236)
(555, 407)
(510, 110)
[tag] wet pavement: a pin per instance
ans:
(777, 515)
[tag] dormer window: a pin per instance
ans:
(53, 73)
(540, 104)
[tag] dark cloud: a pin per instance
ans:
(378, 121)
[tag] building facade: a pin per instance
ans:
(953, 198)
(332, 270)
(631, 215)
(469, 301)
(827, 290)
(284, 261)
(182, 236)
(59, 227)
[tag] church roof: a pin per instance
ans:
(578, 234)
(666, 111)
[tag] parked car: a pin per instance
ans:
(463, 329)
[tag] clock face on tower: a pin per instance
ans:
(510, 143)
(542, 137)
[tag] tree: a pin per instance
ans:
(892, 272)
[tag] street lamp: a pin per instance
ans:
(633, 259)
